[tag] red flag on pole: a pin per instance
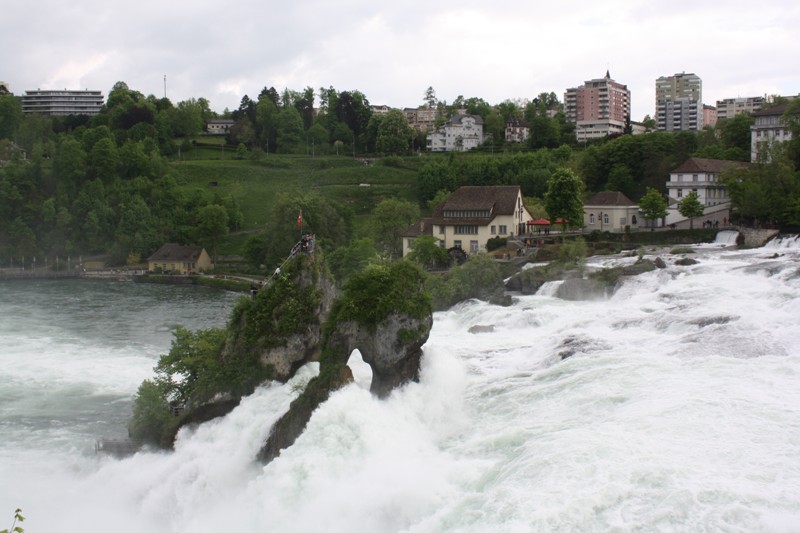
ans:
(300, 219)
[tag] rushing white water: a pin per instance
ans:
(726, 237)
(677, 408)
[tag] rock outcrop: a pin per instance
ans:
(386, 315)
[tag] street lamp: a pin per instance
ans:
(601, 221)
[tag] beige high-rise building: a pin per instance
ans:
(679, 102)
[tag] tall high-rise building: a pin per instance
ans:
(598, 108)
(62, 103)
(679, 102)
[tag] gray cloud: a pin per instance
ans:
(392, 53)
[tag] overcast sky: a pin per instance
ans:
(393, 51)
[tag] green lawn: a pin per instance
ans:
(254, 184)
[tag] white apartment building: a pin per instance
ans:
(768, 129)
(62, 103)
(702, 177)
(679, 102)
(459, 134)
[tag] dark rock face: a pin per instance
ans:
(291, 425)
(660, 264)
(686, 261)
(393, 350)
(577, 289)
(386, 316)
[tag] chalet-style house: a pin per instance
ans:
(701, 176)
(610, 211)
(471, 216)
(459, 134)
(178, 259)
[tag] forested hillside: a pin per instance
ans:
(141, 173)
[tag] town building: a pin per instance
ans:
(517, 131)
(219, 126)
(709, 115)
(730, 107)
(598, 108)
(679, 102)
(768, 129)
(459, 134)
(422, 118)
(379, 109)
(610, 211)
(62, 103)
(471, 216)
(702, 177)
(179, 259)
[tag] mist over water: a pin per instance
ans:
(672, 406)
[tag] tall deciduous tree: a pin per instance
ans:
(212, 226)
(394, 134)
(564, 198)
(653, 206)
(390, 219)
(289, 129)
(691, 208)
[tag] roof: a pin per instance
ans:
(457, 119)
(610, 198)
(701, 164)
(418, 229)
(499, 200)
(177, 252)
(779, 109)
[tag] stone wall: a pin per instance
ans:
(755, 238)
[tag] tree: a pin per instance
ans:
(10, 115)
(690, 207)
(353, 258)
(564, 198)
(426, 251)
(653, 206)
(212, 226)
(394, 134)
(430, 98)
(266, 121)
(390, 219)
(289, 130)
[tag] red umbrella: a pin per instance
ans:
(539, 222)
(562, 221)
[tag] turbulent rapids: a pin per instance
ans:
(672, 405)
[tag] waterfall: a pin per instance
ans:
(726, 238)
(549, 288)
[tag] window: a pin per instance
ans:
(680, 193)
(605, 218)
(473, 247)
(441, 230)
(503, 230)
(466, 230)
(591, 218)
(457, 244)
(494, 230)
(410, 243)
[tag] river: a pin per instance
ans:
(672, 406)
